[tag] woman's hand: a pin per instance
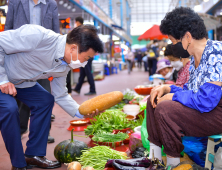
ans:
(168, 96)
(94, 113)
(157, 93)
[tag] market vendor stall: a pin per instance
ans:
(111, 140)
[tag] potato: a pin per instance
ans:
(74, 166)
(101, 102)
(89, 168)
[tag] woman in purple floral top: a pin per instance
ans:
(196, 109)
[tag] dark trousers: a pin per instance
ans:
(41, 103)
(145, 66)
(139, 63)
(152, 65)
(86, 71)
(24, 110)
(170, 121)
(68, 82)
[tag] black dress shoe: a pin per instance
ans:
(77, 91)
(41, 162)
(52, 117)
(14, 168)
(50, 139)
(90, 93)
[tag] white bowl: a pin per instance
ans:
(131, 107)
(137, 129)
(131, 113)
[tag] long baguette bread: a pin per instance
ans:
(101, 102)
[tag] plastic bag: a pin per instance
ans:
(135, 141)
(144, 135)
(195, 148)
(218, 159)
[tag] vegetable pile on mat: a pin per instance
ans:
(97, 156)
(107, 122)
(110, 137)
(111, 120)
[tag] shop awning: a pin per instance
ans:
(210, 21)
(152, 33)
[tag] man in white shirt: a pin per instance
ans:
(27, 54)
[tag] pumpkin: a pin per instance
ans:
(74, 166)
(183, 167)
(69, 150)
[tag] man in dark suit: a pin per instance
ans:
(39, 12)
(85, 71)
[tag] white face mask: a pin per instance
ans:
(168, 75)
(177, 64)
(76, 64)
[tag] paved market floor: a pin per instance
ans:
(59, 131)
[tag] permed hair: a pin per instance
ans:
(85, 36)
(182, 19)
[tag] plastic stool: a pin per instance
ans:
(107, 71)
(210, 149)
(114, 69)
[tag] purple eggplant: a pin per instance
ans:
(132, 163)
(139, 162)
(117, 166)
(109, 163)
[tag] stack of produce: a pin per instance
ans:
(111, 120)
(140, 152)
(130, 164)
(110, 137)
(107, 122)
(97, 157)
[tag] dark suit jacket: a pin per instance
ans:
(18, 14)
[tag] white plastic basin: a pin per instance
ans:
(131, 109)
(137, 129)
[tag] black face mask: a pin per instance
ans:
(179, 52)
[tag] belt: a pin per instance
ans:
(22, 81)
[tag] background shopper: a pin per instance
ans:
(181, 65)
(85, 71)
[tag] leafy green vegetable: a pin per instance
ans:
(136, 123)
(97, 157)
(142, 106)
(118, 106)
(129, 94)
(110, 137)
(107, 122)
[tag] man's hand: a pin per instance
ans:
(94, 113)
(168, 96)
(8, 88)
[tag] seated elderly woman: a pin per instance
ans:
(195, 110)
(165, 68)
(181, 65)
